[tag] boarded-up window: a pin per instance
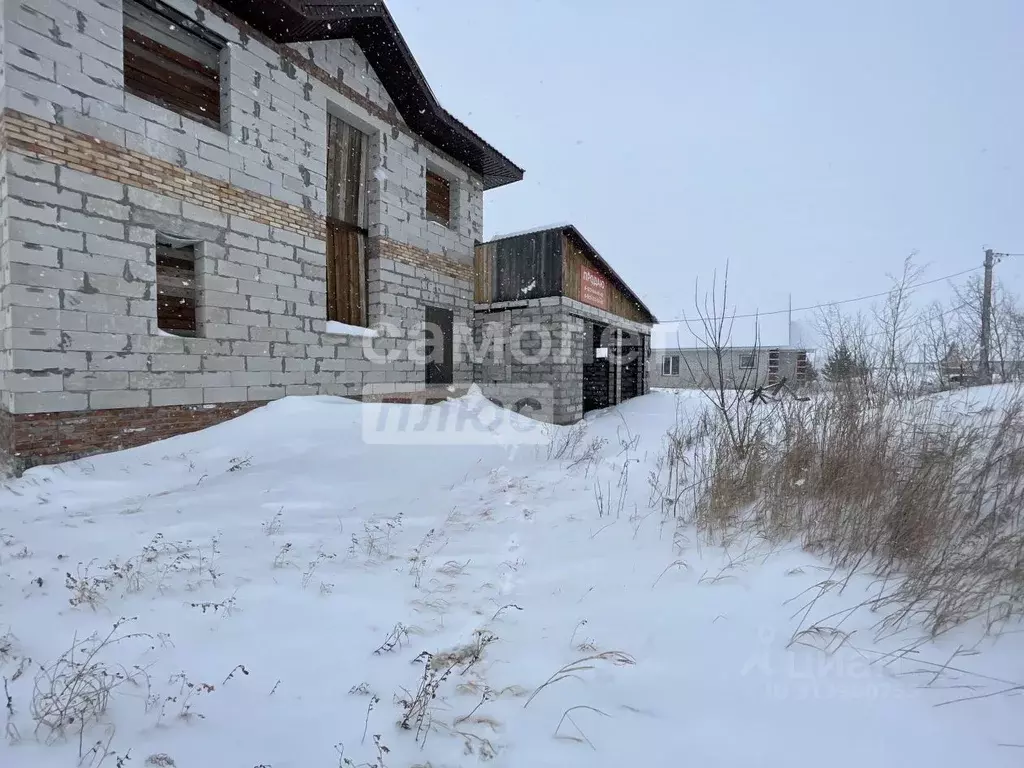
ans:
(346, 222)
(439, 199)
(176, 289)
(171, 60)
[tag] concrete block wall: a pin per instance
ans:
(554, 363)
(399, 161)
(4, 230)
(399, 292)
(65, 65)
(77, 259)
(79, 305)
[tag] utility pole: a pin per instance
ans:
(985, 374)
(789, 336)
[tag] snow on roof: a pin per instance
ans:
(532, 231)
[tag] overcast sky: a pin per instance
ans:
(810, 144)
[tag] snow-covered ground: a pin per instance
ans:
(281, 575)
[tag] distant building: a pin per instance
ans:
(740, 368)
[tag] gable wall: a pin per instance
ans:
(94, 174)
(65, 62)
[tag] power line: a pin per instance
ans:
(826, 304)
(925, 321)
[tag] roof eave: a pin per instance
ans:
(371, 25)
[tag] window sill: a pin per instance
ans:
(334, 328)
(447, 227)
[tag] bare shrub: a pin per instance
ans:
(321, 557)
(378, 539)
(417, 707)
(564, 442)
(272, 526)
(73, 692)
(722, 380)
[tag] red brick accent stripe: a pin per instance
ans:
(47, 438)
(416, 257)
(73, 149)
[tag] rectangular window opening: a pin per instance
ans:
(176, 288)
(346, 222)
(747, 361)
(439, 199)
(171, 60)
(670, 365)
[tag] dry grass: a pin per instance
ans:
(927, 495)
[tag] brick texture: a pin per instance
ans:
(6, 437)
(45, 438)
(417, 257)
(81, 152)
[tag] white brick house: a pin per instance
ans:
(193, 191)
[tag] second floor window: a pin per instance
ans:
(346, 222)
(171, 60)
(670, 365)
(439, 199)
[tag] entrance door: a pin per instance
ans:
(596, 372)
(440, 334)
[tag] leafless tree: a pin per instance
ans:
(721, 377)
(838, 330)
(894, 342)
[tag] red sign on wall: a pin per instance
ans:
(593, 288)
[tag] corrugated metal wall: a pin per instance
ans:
(541, 264)
(527, 267)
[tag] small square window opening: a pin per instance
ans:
(439, 199)
(172, 61)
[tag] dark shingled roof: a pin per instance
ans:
(371, 25)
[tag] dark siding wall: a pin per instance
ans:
(519, 268)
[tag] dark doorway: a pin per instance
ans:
(631, 365)
(438, 348)
(595, 370)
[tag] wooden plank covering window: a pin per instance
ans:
(170, 60)
(439, 199)
(176, 289)
(346, 294)
(346, 222)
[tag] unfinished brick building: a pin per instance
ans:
(206, 204)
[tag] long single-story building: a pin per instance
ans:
(558, 333)
(740, 368)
